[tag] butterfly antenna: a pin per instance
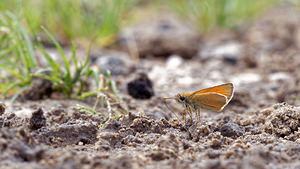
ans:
(165, 98)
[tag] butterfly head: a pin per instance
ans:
(180, 98)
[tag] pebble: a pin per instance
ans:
(231, 130)
(2, 108)
(141, 87)
(174, 62)
(37, 120)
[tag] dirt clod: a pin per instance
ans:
(141, 87)
(68, 133)
(283, 120)
(231, 130)
(37, 120)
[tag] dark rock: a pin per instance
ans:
(2, 108)
(231, 130)
(37, 120)
(140, 88)
(231, 59)
(11, 116)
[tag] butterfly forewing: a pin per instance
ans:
(224, 89)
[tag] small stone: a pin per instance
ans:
(141, 87)
(176, 122)
(215, 143)
(266, 112)
(174, 62)
(2, 108)
(37, 120)
(134, 122)
(231, 130)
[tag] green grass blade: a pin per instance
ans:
(87, 57)
(59, 48)
(29, 47)
(86, 109)
(74, 56)
(13, 72)
(114, 87)
(51, 78)
(7, 51)
(86, 95)
(25, 68)
(96, 75)
(51, 62)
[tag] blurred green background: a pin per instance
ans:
(101, 20)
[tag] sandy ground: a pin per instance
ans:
(260, 128)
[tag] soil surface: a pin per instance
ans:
(260, 127)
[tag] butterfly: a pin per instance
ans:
(213, 98)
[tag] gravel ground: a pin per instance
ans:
(260, 128)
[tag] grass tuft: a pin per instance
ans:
(18, 61)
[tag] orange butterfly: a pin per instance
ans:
(213, 98)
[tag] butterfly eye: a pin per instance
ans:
(182, 98)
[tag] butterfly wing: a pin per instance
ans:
(210, 101)
(224, 89)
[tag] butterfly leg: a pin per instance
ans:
(184, 115)
(189, 111)
(198, 114)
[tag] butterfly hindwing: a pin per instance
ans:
(210, 101)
